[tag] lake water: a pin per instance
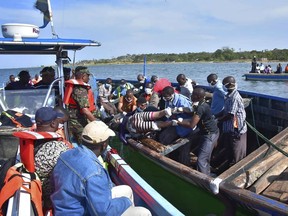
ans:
(195, 71)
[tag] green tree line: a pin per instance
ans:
(220, 55)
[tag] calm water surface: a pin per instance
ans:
(195, 71)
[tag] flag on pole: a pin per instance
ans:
(42, 5)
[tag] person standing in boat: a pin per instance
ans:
(233, 120)
(83, 186)
(217, 96)
(286, 69)
(253, 65)
(208, 130)
(80, 102)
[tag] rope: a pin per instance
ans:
(254, 122)
(266, 140)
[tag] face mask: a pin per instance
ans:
(224, 88)
(142, 81)
(148, 91)
(107, 86)
(211, 85)
(195, 103)
(123, 86)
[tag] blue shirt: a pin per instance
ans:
(180, 100)
(217, 104)
(83, 186)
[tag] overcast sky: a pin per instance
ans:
(155, 26)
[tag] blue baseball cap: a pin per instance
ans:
(45, 115)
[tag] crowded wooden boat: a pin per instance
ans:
(267, 122)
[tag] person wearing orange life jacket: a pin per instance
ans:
(80, 102)
(47, 147)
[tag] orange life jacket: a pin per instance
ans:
(68, 100)
(17, 177)
(27, 141)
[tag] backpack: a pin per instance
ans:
(17, 177)
(15, 119)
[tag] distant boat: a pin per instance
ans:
(266, 77)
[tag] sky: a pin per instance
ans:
(154, 26)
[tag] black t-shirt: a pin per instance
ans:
(207, 123)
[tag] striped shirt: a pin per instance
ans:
(235, 106)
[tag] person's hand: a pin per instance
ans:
(124, 113)
(177, 110)
(174, 122)
(168, 112)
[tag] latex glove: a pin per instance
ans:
(177, 110)
(180, 119)
(124, 113)
(168, 112)
(174, 122)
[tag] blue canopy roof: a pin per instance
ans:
(42, 46)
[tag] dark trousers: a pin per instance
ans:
(236, 145)
(207, 143)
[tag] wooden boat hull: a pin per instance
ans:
(266, 113)
(266, 77)
(251, 182)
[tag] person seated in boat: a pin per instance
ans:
(103, 94)
(286, 69)
(266, 70)
(23, 83)
(148, 91)
(154, 79)
(262, 67)
(127, 103)
(208, 129)
(48, 76)
(279, 68)
(185, 86)
(142, 80)
(141, 104)
(80, 102)
(11, 79)
(258, 68)
(83, 186)
(121, 89)
(174, 100)
(46, 153)
(234, 128)
(156, 99)
(36, 79)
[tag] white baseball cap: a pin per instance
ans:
(96, 132)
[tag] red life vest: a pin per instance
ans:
(27, 140)
(68, 100)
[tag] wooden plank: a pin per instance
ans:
(269, 176)
(154, 145)
(247, 178)
(279, 188)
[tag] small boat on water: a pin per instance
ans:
(266, 77)
(258, 182)
(28, 101)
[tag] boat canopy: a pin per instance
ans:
(43, 46)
